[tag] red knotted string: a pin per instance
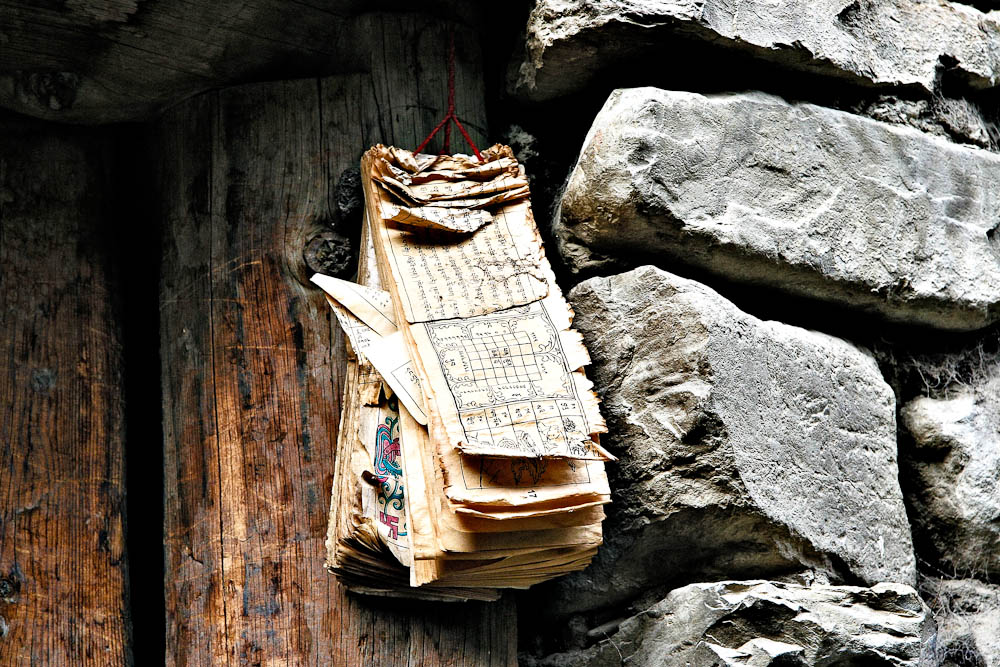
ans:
(450, 115)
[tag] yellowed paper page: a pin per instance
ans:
(420, 526)
(505, 483)
(504, 385)
(440, 275)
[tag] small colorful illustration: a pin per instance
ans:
(388, 465)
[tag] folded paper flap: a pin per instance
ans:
(391, 358)
(360, 336)
(502, 197)
(429, 191)
(485, 481)
(478, 172)
(388, 355)
(528, 512)
(471, 520)
(501, 542)
(370, 305)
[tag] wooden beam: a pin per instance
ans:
(63, 569)
(106, 61)
(253, 364)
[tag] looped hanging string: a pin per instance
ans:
(450, 115)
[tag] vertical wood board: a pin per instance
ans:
(63, 570)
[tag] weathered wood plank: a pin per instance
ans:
(253, 366)
(63, 591)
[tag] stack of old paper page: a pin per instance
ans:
(468, 456)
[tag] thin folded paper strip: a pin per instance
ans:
(387, 354)
(371, 305)
(512, 495)
(450, 219)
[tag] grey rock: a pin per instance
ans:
(880, 43)
(525, 144)
(747, 448)
(965, 122)
(806, 199)
(953, 477)
(760, 623)
(953, 118)
(967, 613)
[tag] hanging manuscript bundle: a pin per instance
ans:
(468, 456)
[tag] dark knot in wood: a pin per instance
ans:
(349, 200)
(10, 587)
(42, 380)
(51, 90)
(331, 254)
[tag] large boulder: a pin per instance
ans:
(952, 473)
(967, 613)
(881, 43)
(760, 623)
(747, 448)
(806, 199)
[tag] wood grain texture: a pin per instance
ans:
(63, 572)
(100, 61)
(253, 365)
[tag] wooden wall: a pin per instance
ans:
(252, 363)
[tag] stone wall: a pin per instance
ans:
(781, 225)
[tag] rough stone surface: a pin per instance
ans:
(952, 472)
(747, 448)
(759, 623)
(882, 43)
(955, 119)
(968, 621)
(806, 199)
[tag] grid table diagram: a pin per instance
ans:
(505, 356)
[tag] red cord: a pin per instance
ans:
(450, 115)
